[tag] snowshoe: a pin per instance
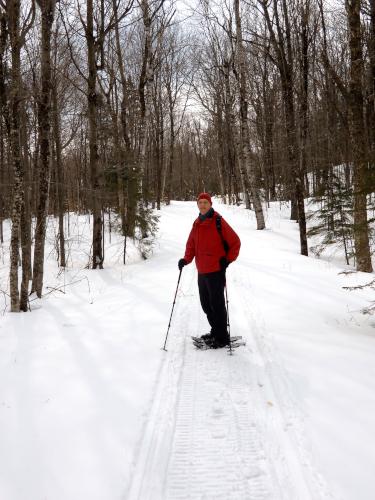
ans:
(202, 340)
(234, 343)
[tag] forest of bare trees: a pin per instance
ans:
(122, 105)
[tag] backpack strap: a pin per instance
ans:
(218, 227)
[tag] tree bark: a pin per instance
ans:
(25, 215)
(247, 166)
(230, 133)
(145, 80)
(282, 45)
(4, 115)
(356, 119)
(60, 190)
(13, 14)
(304, 84)
(47, 8)
(92, 100)
(125, 156)
(371, 110)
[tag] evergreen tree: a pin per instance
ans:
(333, 222)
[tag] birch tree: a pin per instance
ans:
(247, 167)
(17, 36)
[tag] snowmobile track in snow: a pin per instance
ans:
(213, 432)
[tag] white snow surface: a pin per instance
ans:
(91, 407)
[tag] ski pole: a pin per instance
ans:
(228, 322)
(174, 301)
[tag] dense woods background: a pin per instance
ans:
(113, 106)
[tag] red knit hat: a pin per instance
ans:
(204, 196)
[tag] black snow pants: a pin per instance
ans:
(211, 293)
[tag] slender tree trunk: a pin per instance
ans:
(92, 98)
(25, 216)
(4, 112)
(145, 81)
(4, 115)
(13, 12)
(126, 207)
(230, 128)
(44, 114)
(304, 72)
(371, 111)
(283, 49)
(247, 166)
(159, 141)
(293, 160)
(269, 120)
(2, 168)
(221, 156)
(60, 190)
(372, 51)
(172, 139)
(128, 193)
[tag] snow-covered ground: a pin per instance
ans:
(91, 408)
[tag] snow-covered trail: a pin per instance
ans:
(91, 408)
(219, 427)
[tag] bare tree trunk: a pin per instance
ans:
(13, 14)
(92, 98)
(2, 168)
(25, 216)
(47, 8)
(247, 166)
(159, 140)
(356, 118)
(282, 45)
(127, 193)
(231, 134)
(221, 156)
(172, 140)
(4, 115)
(372, 50)
(268, 132)
(329, 110)
(304, 72)
(371, 111)
(125, 206)
(60, 190)
(146, 78)
(4, 112)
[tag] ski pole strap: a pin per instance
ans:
(218, 227)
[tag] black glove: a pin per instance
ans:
(224, 263)
(181, 263)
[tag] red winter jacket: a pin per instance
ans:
(205, 244)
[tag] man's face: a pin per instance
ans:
(204, 206)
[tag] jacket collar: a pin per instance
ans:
(207, 215)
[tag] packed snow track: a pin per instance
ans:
(220, 426)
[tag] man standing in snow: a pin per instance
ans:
(215, 245)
